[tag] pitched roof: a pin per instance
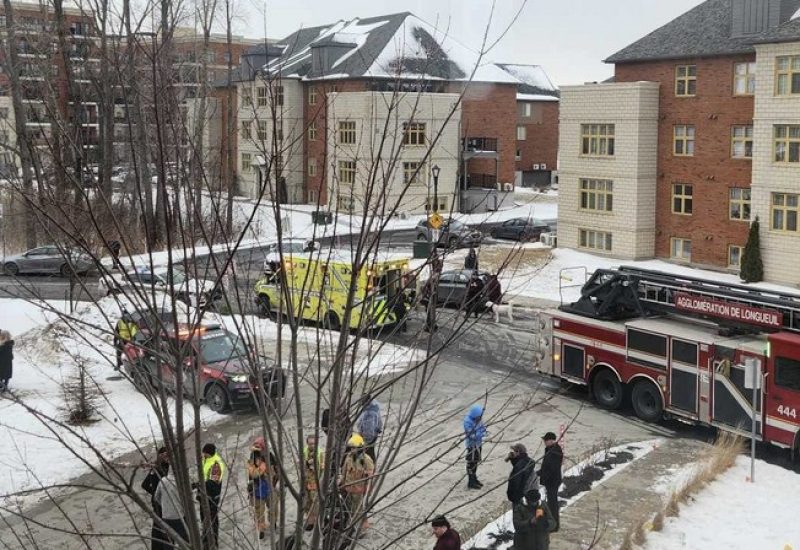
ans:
(704, 31)
(398, 45)
(786, 32)
(532, 80)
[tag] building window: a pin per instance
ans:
(526, 110)
(522, 133)
(518, 155)
(334, 88)
(685, 80)
(345, 203)
(312, 131)
(261, 96)
(681, 249)
(784, 212)
(247, 163)
(739, 203)
(312, 95)
(744, 78)
(597, 195)
(262, 130)
(414, 133)
(735, 256)
(278, 95)
(683, 141)
(595, 240)
(312, 167)
(787, 75)
(247, 129)
(742, 142)
(682, 198)
(247, 97)
(787, 143)
(347, 171)
(441, 207)
(413, 173)
(597, 140)
(279, 130)
(347, 132)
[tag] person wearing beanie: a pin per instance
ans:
(158, 537)
(214, 469)
(550, 473)
(533, 523)
(522, 468)
(447, 538)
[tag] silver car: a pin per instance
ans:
(47, 260)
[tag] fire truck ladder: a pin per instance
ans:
(657, 291)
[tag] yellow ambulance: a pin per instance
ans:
(318, 284)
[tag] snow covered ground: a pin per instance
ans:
(732, 513)
(504, 523)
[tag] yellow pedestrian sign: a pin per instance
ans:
(435, 220)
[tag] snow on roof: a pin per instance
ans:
(531, 79)
(536, 97)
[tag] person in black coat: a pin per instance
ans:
(550, 472)
(471, 261)
(6, 359)
(159, 539)
(522, 467)
(474, 295)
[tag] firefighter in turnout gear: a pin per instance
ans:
(357, 471)
(314, 464)
(214, 470)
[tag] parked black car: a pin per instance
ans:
(520, 229)
(453, 234)
(453, 286)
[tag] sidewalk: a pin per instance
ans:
(634, 493)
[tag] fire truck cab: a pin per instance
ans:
(693, 349)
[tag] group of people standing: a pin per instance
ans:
(533, 520)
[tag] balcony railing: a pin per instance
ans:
(482, 181)
(474, 144)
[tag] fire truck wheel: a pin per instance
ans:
(647, 402)
(217, 398)
(332, 321)
(607, 389)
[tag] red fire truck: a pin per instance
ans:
(679, 346)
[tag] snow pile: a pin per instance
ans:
(486, 539)
(732, 513)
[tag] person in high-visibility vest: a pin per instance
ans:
(124, 334)
(357, 472)
(214, 470)
(314, 464)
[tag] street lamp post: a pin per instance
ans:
(435, 171)
(436, 265)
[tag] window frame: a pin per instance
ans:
(731, 248)
(596, 195)
(312, 168)
(787, 212)
(742, 202)
(247, 129)
(346, 133)
(747, 77)
(414, 134)
(789, 72)
(786, 143)
(680, 196)
(409, 177)
(682, 256)
(601, 241)
(346, 167)
(262, 96)
(602, 136)
(247, 167)
(687, 139)
(743, 140)
(522, 131)
(312, 95)
(686, 79)
(262, 130)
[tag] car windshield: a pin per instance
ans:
(220, 346)
(293, 247)
(455, 226)
(178, 275)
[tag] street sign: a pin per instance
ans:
(435, 220)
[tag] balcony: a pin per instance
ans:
(479, 147)
(481, 181)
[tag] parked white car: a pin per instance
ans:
(195, 292)
(288, 247)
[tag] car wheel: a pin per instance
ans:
(11, 268)
(217, 398)
(422, 237)
(646, 400)
(331, 321)
(607, 390)
(65, 271)
(264, 306)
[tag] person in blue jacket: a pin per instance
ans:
(474, 432)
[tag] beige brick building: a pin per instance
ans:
(776, 159)
(607, 173)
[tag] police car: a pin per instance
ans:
(171, 281)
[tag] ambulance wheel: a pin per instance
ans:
(264, 306)
(331, 321)
(646, 400)
(607, 390)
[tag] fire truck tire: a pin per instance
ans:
(646, 400)
(607, 389)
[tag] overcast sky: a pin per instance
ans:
(569, 38)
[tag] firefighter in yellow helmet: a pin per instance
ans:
(357, 472)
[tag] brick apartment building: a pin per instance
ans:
(690, 142)
(311, 105)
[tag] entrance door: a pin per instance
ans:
(683, 373)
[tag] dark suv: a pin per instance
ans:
(216, 366)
